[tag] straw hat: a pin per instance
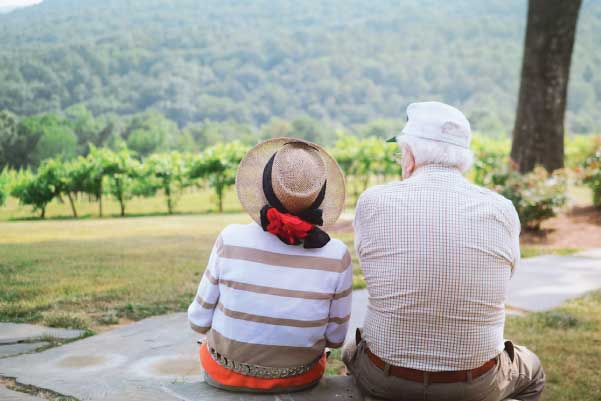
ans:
(300, 169)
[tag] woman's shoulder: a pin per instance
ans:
(337, 248)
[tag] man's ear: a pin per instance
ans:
(408, 161)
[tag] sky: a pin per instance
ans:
(18, 3)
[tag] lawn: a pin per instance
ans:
(97, 273)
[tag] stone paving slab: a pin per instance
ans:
(544, 282)
(129, 363)
(154, 359)
(332, 388)
(9, 395)
(11, 333)
(19, 348)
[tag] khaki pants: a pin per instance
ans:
(518, 375)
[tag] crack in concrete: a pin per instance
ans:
(12, 384)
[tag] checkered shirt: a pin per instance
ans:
(437, 253)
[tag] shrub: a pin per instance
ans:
(591, 176)
(218, 165)
(579, 148)
(536, 196)
(490, 156)
(169, 172)
(38, 190)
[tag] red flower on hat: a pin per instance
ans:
(287, 226)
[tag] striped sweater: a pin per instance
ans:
(266, 303)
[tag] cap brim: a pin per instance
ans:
(249, 180)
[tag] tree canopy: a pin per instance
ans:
(343, 62)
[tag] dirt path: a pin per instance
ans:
(578, 228)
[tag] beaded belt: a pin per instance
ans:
(260, 371)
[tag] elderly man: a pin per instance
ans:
(437, 253)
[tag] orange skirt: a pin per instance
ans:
(230, 378)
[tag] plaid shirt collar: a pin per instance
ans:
(435, 169)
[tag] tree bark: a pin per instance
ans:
(100, 198)
(538, 133)
(72, 204)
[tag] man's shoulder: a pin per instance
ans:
(377, 191)
(492, 196)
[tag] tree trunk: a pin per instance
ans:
(72, 204)
(43, 214)
(538, 133)
(100, 198)
(169, 201)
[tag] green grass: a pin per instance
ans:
(568, 342)
(191, 201)
(528, 251)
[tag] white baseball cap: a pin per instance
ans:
(436, 121)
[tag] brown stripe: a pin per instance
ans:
(339, 320)
(346, 260)
(281, 292)
(278, 356)
(210, 277)
(204, 304)
(343, 293)
(280, 259)
(199, 329)
(270, 320)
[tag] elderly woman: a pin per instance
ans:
(277, 291)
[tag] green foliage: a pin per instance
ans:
(578, 148)
(150, 132)
(125, 178)
(44, 137)
(345, 61)
(8, 137)
(536, 196)
(39, 189)
(591, 176)
(3, 186)
(364, 159)
(490, 156)
(168, 172)
(218, 165)
(100, 163)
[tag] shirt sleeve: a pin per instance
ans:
(515, 228)
(357, 225)
(340, 307)
(200, 311)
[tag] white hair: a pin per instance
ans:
(431, 152)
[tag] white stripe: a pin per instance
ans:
(267, 334)
(199, 316)
(209, 292)
(278, 276)
(274, 306)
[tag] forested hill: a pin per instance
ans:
(341, 61)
